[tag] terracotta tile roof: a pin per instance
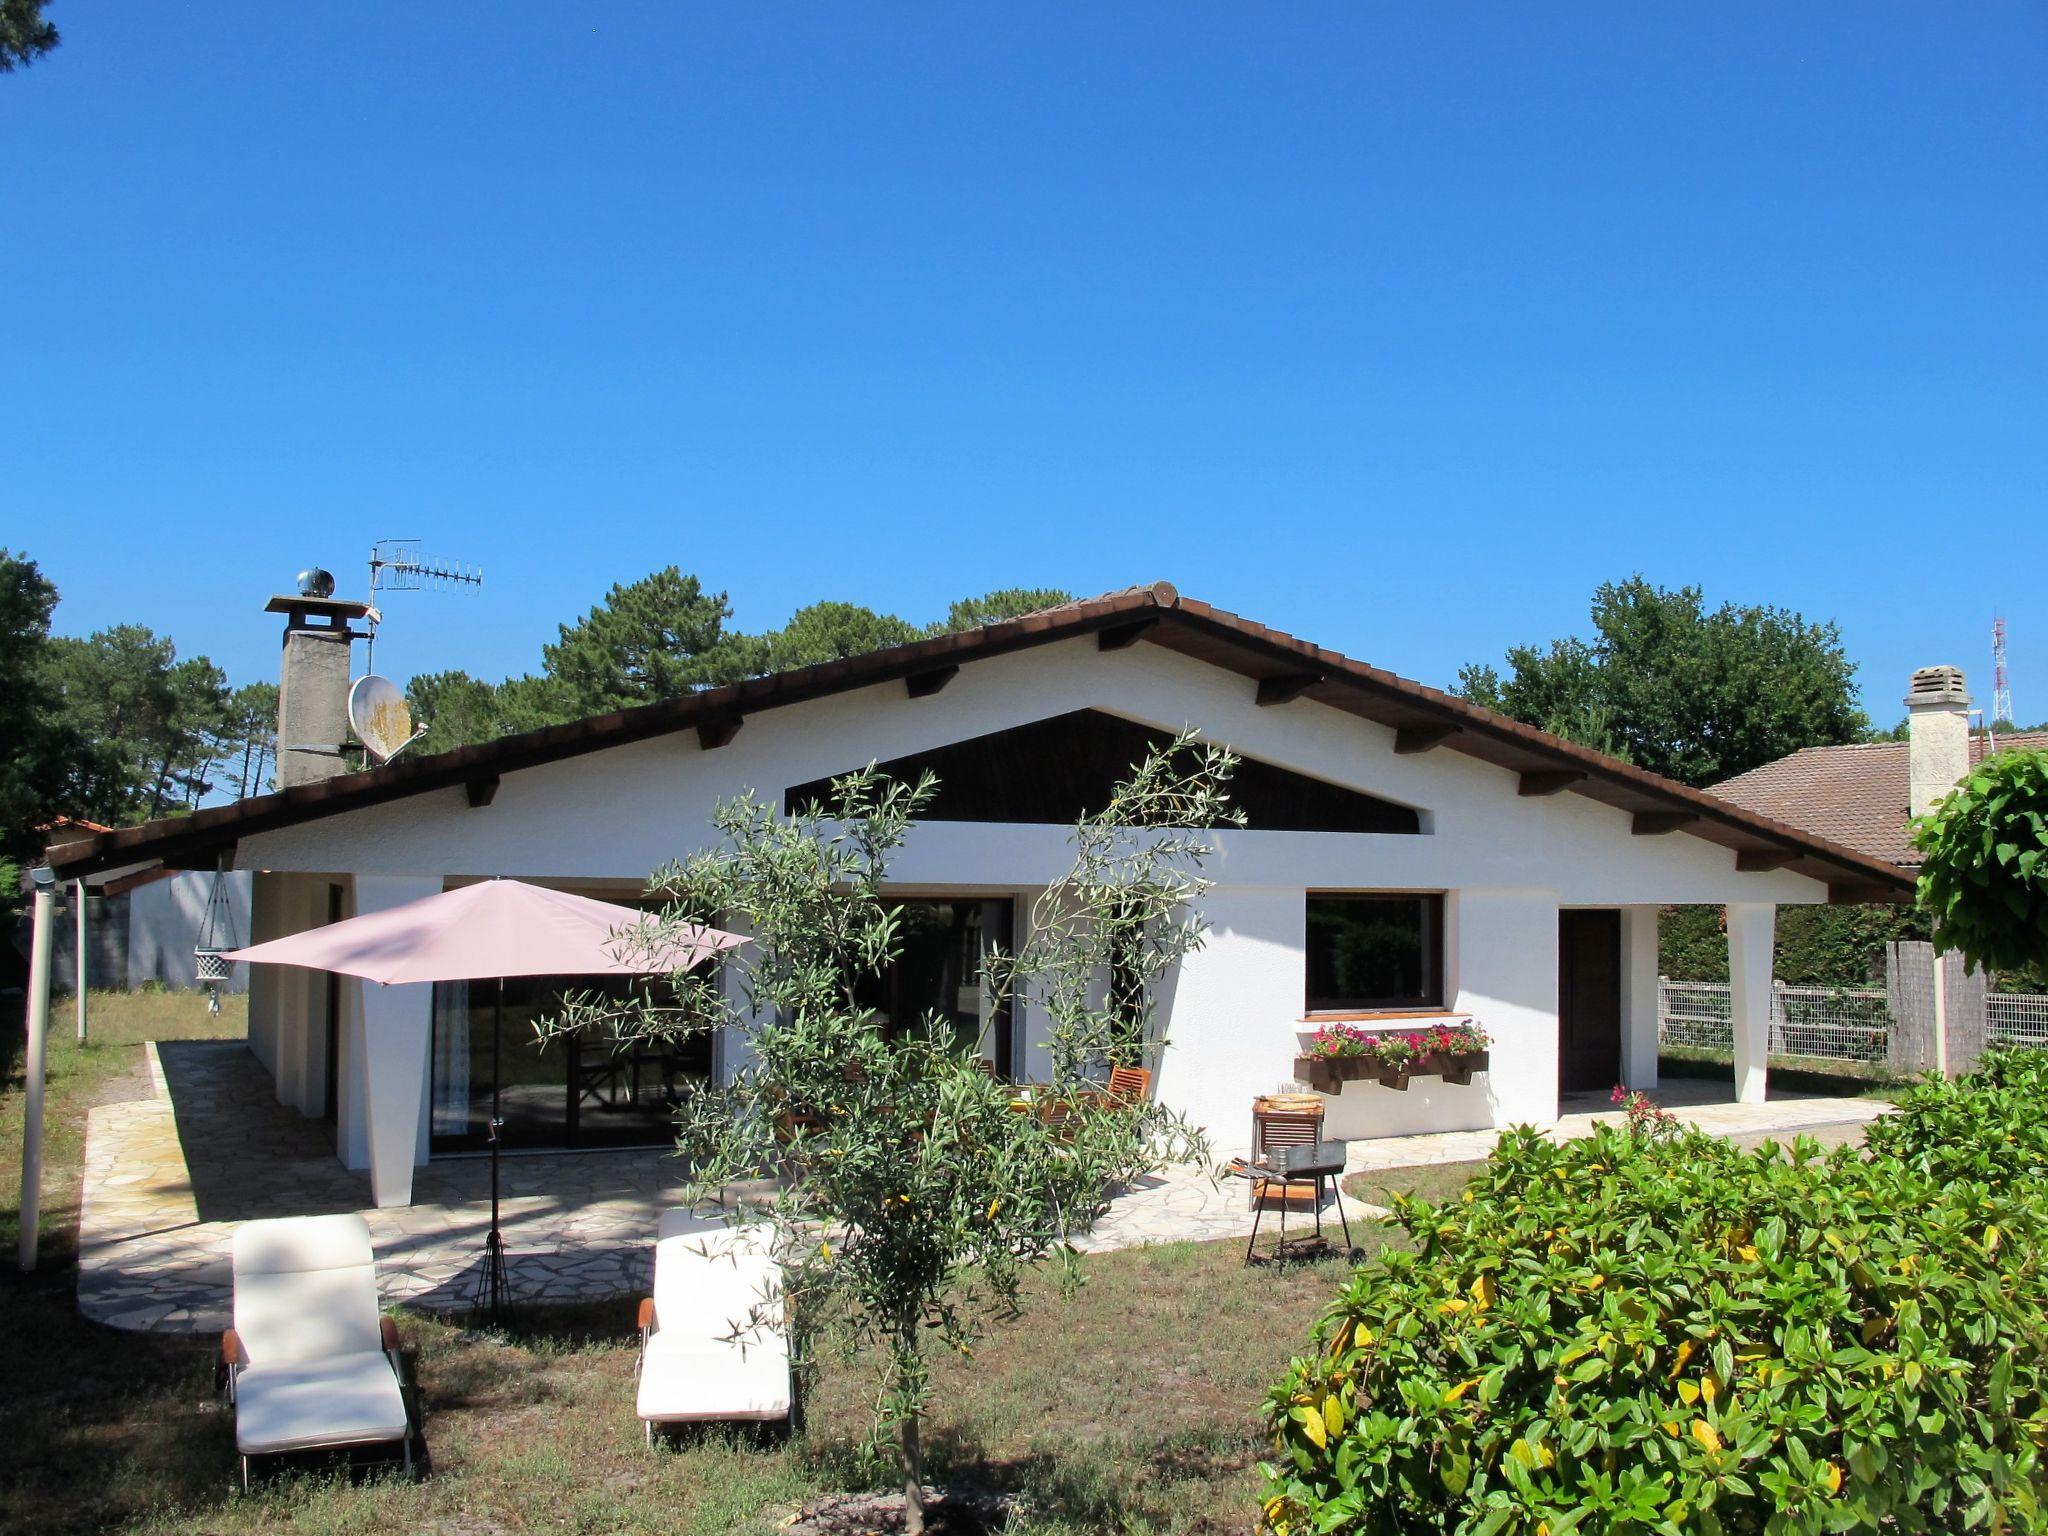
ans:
(1855, 795)
(1280, 667)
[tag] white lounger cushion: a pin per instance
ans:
(352, 1400)
(305, 1289)
(712, 1281)
(682, 1380)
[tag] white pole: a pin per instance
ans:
(1940, 1013)
(38, 1028)
(78, 971)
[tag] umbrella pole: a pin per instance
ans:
(494, 1245)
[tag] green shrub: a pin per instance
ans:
(1662, 1333)
(1987, 1129)
(1984, 869)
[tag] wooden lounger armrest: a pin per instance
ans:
(388, 1328)
(646, 1314)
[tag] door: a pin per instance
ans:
(1588, 1001)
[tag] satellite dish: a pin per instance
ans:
(381, 719)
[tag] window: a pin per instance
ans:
(1373, 952)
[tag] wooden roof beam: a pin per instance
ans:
(1757, 861)
(1411, 739)
(1860, 895)
(1116, 636)
(922, 685)
(1549, 781)
(1657, 823)
(1286, 688)
(713, 734)
(481, 791)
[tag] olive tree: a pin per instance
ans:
(912, 1189)
(1984, 864)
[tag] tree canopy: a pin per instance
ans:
(1695, 694)
(833, 631)
(659, 637)
(149, 724)
(25, 33)
(115, 726)
(1984, 867)
(1005, 603)
(35, 750)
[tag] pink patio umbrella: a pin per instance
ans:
(496, 928)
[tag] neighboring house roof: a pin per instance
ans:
(1857, 795)
(1281, 667)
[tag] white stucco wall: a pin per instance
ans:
(1505, 862)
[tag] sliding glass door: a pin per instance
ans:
(938, 976)
(588, 1090)
(581, 1090)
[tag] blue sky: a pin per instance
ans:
(1398, 328)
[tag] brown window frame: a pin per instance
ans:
(1431, 996)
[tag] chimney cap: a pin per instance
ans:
(1937, 688)
(334, 609)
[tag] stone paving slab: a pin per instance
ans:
(169, 1177)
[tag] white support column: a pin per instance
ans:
(1502, 951)
(1639, 1001)
(266, 922)
(32, 1070)
(391, 1053)
(1752, 943)
(78, 969)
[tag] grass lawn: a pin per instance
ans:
(1131, 1407)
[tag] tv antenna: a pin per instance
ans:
(396, 565)
(2001, 681)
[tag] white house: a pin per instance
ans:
(1498, 872)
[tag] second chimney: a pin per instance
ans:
(1937, 735)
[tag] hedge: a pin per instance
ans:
(1658, 1332)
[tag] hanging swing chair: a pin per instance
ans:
(216, 938)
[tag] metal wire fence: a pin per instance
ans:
(1831, 1023)
(1839, 1024)
(2018, 1018)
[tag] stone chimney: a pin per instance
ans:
(1937, 735)
(312, 685)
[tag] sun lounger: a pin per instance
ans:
(714, 1346)
(310, 1363)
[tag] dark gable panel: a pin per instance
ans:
(1054, 771)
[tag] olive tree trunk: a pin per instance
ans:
(913, 1479)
